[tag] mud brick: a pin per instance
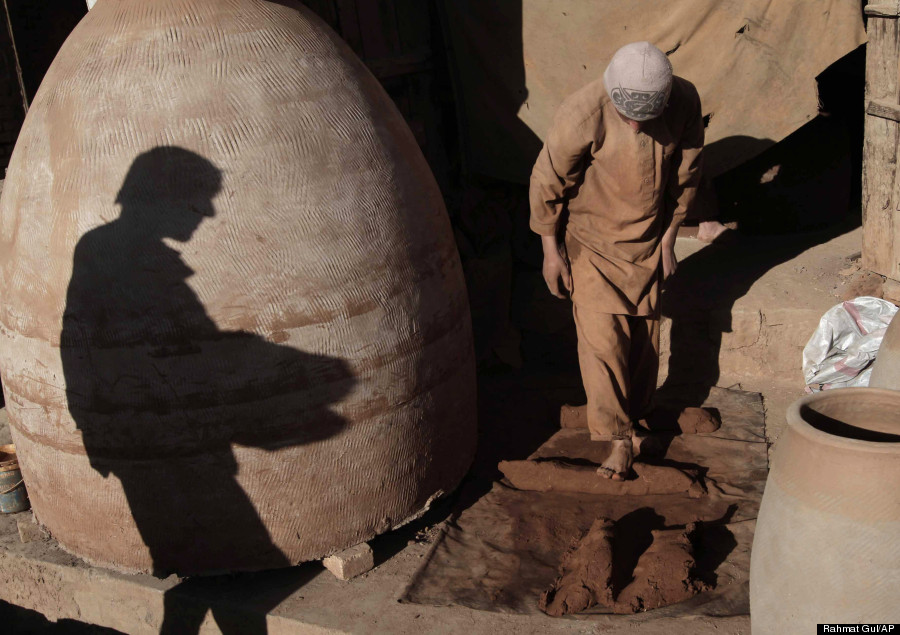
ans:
(351, 562)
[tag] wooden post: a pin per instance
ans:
(881, 178)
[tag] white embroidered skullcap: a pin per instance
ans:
(638, 80)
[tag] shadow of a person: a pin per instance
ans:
(701, 296)
(160, 394)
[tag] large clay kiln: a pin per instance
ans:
(234, 331)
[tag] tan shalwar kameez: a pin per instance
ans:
(622, 189)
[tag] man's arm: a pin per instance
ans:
(683, 183)
(558, 168)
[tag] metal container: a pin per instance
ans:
(827, 542)
(13, 495)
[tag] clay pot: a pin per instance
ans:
(827, 543)
(234, 331)
(886, 369)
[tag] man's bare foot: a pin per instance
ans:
(709, 230)
(618, 463)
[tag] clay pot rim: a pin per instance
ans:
(800, 425)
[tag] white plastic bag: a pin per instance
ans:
(842, 349)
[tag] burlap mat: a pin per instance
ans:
(504, 550)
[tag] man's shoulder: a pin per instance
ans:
(684, 91)
(586, 103)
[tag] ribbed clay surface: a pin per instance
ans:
(234, 331)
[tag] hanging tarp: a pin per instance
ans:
(753, 61)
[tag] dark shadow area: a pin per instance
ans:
(842, 88)
(517, 412)
(653, 450)
(800, 184)
(488, 197)
(715, 153)
(701, 295)
(160, 393)
(712, 544)
(847, 430)
(521, 382)
(633, 535)
(808, 180)
(791, 196)
(239, 602)
(419, 531)
(39, 29)
(495, 142)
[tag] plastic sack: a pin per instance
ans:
(842, 349)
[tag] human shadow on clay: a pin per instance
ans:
(160, 393)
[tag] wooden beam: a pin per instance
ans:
(884, 109)
(12, 39)
(883, 9)
(881, 172)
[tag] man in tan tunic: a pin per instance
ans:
(618, 173)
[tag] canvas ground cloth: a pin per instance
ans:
(504, 550)
(754, 63)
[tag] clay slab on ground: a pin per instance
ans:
(561, 476)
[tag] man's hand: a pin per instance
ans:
(556, 266)
(669, 261)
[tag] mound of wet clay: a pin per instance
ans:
(685, 421)
(585, 574)
(663, 574)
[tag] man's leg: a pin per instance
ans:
(643, 364)
(603, 354)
